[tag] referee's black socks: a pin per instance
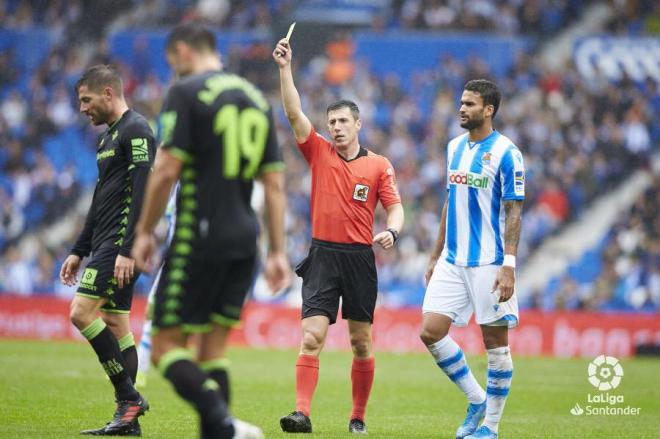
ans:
(106, 347)
(195, 386)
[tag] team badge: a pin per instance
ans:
(361, 192)
(485, 159)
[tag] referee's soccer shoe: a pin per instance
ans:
(296, 422)
(357, 426)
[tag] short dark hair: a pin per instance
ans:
(345, 103)
(196, 35)
(487, 90)
(102, 75)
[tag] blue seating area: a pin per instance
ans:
(407, 84)
(620, 273)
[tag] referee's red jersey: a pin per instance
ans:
(345, 193)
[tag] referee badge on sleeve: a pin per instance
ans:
(360, 192)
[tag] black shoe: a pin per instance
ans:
(131, 430)
(124, 422)
(296, 422)
(357, 426)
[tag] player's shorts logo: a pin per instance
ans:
(89, 278)
(361, 192)
(605, 373)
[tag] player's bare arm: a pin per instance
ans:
(438, 246)
(167, 169)
(290, 98)
(506, 276)
(395, 218)
(277, 271)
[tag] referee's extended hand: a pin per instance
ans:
(124, 270)
(282, 53)
(144, 248)
(69, 270)
(385, 239)
(506, 277)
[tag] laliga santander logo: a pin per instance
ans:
(605, 373)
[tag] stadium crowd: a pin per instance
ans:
(580, 137)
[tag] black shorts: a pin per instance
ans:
(98, 281)
(193, 292)
(333, 270)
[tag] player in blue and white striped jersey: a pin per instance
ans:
(472, 264)
(144, 348)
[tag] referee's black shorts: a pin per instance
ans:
(333, 270)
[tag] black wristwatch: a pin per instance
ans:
(394, 233)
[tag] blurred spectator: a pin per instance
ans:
(580, 137)
(535, 17)
(16, 273)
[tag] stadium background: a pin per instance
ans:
(580, 81)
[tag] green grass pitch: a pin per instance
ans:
(53, 390)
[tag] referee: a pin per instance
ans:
(348, 181)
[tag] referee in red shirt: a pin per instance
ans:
(347, 183)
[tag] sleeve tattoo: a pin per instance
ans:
(513, 211)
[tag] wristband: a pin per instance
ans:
(509, 261)
(394, 233)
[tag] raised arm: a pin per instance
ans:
(290, 97)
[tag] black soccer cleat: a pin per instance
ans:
(131, 430)
(124, 422)
(296, 422)
(357, 426)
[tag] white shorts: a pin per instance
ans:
(458, 291)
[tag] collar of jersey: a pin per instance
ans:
(361, 153)
(117, 121)
(482, 141)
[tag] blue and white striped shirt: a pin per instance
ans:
(480, 175)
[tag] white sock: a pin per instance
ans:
(500, 371)
(450, 358)
(144, 348)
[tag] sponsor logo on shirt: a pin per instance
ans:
(105, 154)
(519, 178)
(360, 192)
(140, 150)
(470, 179)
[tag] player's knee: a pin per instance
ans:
(495, 340)
(80, 317)
(157, 352)
(312, 340)
(430, 336)
(117, 324)
(361, 345)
